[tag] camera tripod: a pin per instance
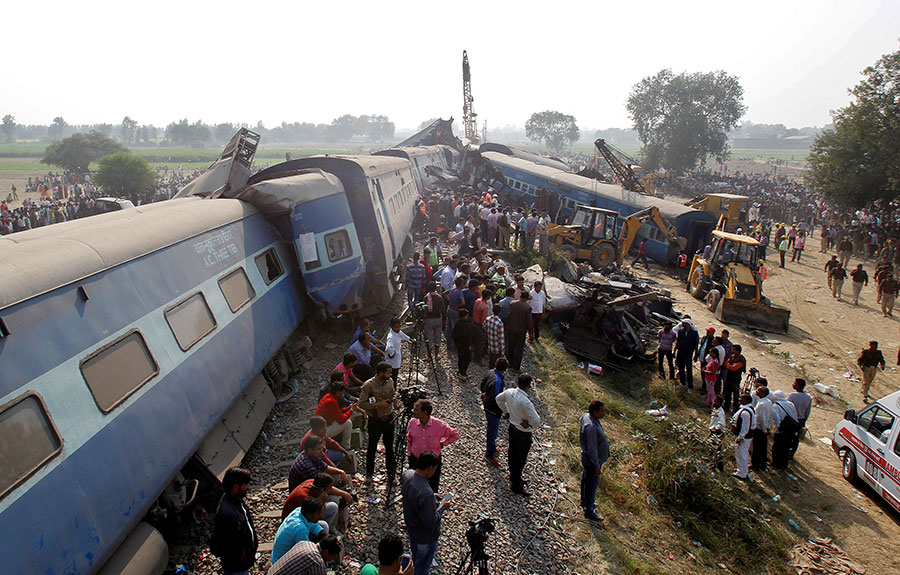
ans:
(418, 315)
(473, 560)
(401, 422)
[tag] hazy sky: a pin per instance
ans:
(158, 61)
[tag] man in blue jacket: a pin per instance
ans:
(594, 453)
(686, 343)
(234, 541)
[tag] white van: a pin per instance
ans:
(868, 443)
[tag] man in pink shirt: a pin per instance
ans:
(426, 433)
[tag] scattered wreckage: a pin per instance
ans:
(605, 317)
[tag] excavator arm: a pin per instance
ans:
(633, 222)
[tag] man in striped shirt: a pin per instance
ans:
(496, 336)
(415, 281)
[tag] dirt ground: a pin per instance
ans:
(822, 345)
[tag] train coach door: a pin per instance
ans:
(384, 223)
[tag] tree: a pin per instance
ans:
(121, 173)
(75, 153)
(57, 129)
(9, 128)
(555, 129)
(223, 132)
(128, 130)
(343, 128)
(857, 162)
(684, 119)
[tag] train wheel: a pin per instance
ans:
(698, 283)
(603, 255)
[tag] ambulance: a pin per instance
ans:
(868, 444)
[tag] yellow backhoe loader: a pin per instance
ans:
(730, 280)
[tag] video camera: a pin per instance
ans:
(477, 534)
(410, 394)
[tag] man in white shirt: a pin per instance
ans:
(393, 348)
(763, 410)
(803, 404)
(536, 301)
(448, 275)
(523, 419)
(744, 421)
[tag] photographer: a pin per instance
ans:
(426, 433)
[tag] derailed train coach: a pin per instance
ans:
(129, 339)
(522, 178)
(137, 347)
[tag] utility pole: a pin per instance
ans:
(470, 127)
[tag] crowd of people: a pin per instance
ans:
(67, 196)
(468, 302)
(731, 389)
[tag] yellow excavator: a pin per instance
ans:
(730, 279)
(592, 234)
(633, 223)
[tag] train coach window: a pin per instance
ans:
(269, 266)
(190, 320)
(27, 440)
(117, 370)
(236, 288)
(338, 245)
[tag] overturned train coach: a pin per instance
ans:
(137, 347)
(522, 178)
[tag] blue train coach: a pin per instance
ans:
(382, 193)
(523, 178)
(130, 344)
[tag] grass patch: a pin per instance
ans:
(658, 493)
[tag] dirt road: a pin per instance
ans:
(824, 341)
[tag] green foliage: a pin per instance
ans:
(858, 162)
(720, 515)
(8, 128)
(121, 173)
(684, 119)
(76, 152)
(184, 133)
(555, 129)
(128, 130)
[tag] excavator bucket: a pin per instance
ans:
(768, 318)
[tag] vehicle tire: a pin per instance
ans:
(848, 465)
(697, 283)
(567, 251)
(603, 255)
(712, 299)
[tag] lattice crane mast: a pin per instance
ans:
(623, 171)
(470, 127)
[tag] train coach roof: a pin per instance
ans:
(40, 260)
(612, 192)
(283, 191)
(411, 151)
(524, 155)
(370, 165)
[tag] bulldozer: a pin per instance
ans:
(590, 236)
(730, 279)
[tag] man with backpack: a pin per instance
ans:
(786, 428)
(742, 425)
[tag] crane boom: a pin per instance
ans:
(623, 171)
(470, 127)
